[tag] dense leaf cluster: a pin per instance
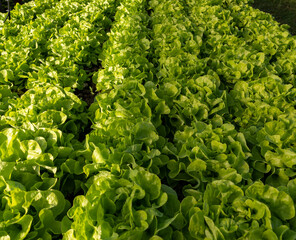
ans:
(192, 128)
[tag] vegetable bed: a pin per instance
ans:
(146, 119)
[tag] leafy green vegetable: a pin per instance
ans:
(191, 134)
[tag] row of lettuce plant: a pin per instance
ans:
(261, 106)
(41, 165)
(38, 162)
(125, 199)
(207, 155)
(264, 107)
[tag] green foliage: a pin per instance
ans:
(191, 134)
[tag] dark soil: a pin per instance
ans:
(88, 93)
